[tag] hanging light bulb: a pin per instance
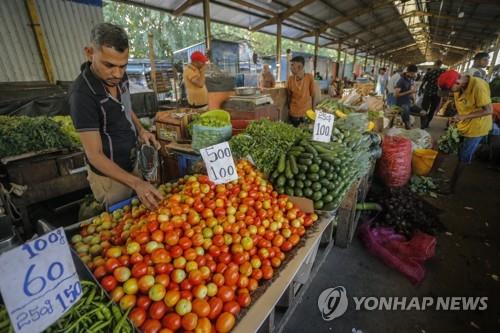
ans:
(452, 33)
(461, 15)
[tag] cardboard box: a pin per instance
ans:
(172, 125)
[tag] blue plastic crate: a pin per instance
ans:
(185, 161)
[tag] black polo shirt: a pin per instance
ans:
(92, 108)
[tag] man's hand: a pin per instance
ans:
(148, 194)
(148, 137)
(456, 118)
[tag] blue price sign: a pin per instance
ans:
(38, 281)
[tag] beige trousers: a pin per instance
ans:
(108, 191)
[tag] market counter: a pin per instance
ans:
(279, 96)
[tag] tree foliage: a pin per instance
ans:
(173, 33)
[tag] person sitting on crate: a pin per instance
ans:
(102, 114)
(194, 81)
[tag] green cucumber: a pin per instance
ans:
(293, 165)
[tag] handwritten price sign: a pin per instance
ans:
(323, 126)
(219, 162)
(38, 281)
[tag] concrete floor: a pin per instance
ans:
(466, 264)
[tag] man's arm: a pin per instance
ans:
(398, 93)
(197, 79)
(481, 112)
(92, 145)
(145, 136)
(312, 91)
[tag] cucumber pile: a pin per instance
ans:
(322, 172)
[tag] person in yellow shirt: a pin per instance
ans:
(474, 114)
(194, 81)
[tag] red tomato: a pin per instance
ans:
(232, 307)
(225, 293)
(142, 238)
(109, 283)
(139, 269)
(216, 305)
(111, 264)
(143, 302)
(176, 251)
(124, 260)
(100, 272)
(137, 316)
(172, 297)
(163, 279)
(157, 310)
(151, 326)
(244, 299)
(160, 256)
(231, 277)
(201, 307)
(157, 236)
(185, 243)
(172, 321)
(135, 258)
(225, 322)
(267, 272)
(195, 277)
(189, 321)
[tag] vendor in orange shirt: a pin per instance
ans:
(300, 87)
(194, 81)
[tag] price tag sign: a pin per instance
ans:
(219, 162)
(323, 126)
(38, 281)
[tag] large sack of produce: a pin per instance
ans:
(395, 251)
(211, 128)
(394, 167)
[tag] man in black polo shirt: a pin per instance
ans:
(101, 110)
(405, 91)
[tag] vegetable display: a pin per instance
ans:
(449, 142)
(264, 141)
(194, 263)
(22, 134)
(210, 128)
(67, 127)
(92, 313)
(423, 186)
(406, 212)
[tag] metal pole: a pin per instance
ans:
(366, 62)
(278, 51)
(316, 46)
(494, 59)
(343, 67)
(152, 61)
(354, 60)
(206, 21)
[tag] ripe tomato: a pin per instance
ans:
(267, 272)
(121, 274)
(127, 301)
(232, 307)
(195, 277)
(172, 297)
(137, 316)
(145, 283)
(225, 293)
(139, 269)
(143, 302)
(216, 305)
(225, 322)
(163, 279)
(151, 326)
(135, 258)
(185, 243)
(157, 310)
(176, 251)
(231, 276)
(117, 294)
(189, 321)
(201, 307)
(109, 283)
(218, 279)
(142, 238)
(204, 326)
(244, 299)
(252, 284)
(172, 321)
(286, 246)
(160, 256)
(157, 236)
(111, 264)
(100, 272)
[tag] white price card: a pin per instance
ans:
(323, 126)
(219, 162)
(38, 281)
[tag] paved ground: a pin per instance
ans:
(466, 264)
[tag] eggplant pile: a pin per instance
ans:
(406, 212)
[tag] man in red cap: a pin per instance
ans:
(473, 118)
(194, 81)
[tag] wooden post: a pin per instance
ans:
(278, 52)
(152, 61)
(366, 62)
(343, 67)
(206, 21)
(316, 46)
(40, 40)
(354, 60)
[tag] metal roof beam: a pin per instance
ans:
(284, 15)
(185, 6)
(494, 23)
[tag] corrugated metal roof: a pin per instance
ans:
(66, 26)
(19, 60)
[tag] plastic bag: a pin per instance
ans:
(205, 136)
(395, 251)
(394, 167)
(420, 139)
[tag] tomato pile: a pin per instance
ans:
(193, 264)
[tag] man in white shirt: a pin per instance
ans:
(481, 61)
(391, 98)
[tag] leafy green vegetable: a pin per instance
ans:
(22, 134)
(449, 142)
(423, 186)
(68, 128)
(265, 141)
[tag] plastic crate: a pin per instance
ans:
(185, 161)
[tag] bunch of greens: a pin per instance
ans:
(22, 134)
(448, 143)
(423, 186)
(68, 128)
(264, 141)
